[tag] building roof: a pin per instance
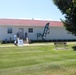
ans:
(26, 22)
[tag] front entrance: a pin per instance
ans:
(21, 33)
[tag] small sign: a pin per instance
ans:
(20, 42)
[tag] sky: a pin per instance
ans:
(28, 9)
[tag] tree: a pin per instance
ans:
(68, 8)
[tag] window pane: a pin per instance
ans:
(30, 30)
(9, 30)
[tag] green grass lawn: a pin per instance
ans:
(37, 60)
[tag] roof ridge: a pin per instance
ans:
(27, 19)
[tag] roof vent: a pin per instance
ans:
(32, 18)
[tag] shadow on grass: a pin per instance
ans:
(74, 48)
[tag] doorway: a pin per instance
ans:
(21, 33)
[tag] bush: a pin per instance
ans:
(0, 41)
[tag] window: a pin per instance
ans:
(30, 30)
(9, 31)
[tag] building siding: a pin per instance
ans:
(59, 33)
(56, 33)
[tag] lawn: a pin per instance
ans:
(37, 60)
